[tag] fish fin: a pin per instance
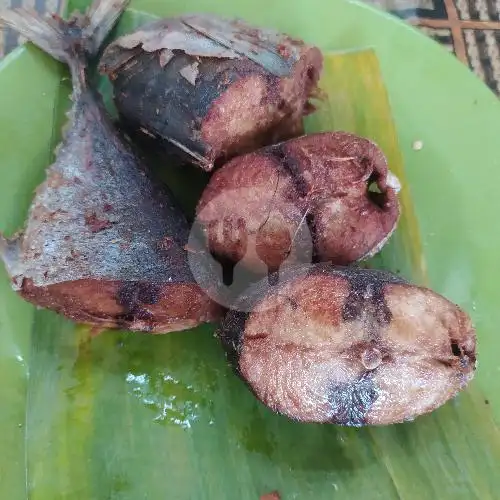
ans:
(64, 39)
(102, 16)
(46, 34)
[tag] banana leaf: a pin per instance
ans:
(131, 416)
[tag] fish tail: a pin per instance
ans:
(102, 17)
(78, 38)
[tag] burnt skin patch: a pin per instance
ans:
(351, 402)
(132, 293)
(229, 104)
(367, 295)
(132, 296)
(290, 165)
(455, 349)
(231, 335)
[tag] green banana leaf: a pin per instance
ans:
(131, 416)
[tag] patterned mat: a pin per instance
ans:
(468, 28)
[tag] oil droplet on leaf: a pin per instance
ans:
(172, 401)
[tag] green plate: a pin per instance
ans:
(131, 416)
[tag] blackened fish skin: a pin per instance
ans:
(103, 244)
(211, 88)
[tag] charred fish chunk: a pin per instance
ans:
(210, 88)
(349, 346)
(103, 244)
(328, 197)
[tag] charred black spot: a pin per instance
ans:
(273, 277)
(132, 296)
(148, 293)
(231, 335)
(290, 165)
(352, 308)
(455, 349)
(293, 303)
(273, 94)
(365, 296)
(147, 94)
(351, 402)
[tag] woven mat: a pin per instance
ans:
(468, 28)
